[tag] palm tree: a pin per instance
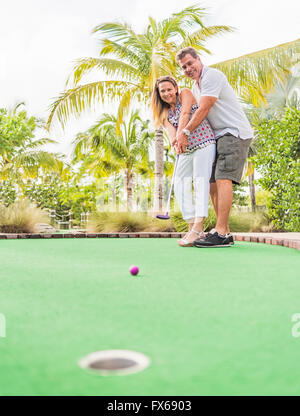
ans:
(106, 149)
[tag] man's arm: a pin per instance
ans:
(205, 105)
(187, 100)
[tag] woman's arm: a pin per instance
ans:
(171, 131)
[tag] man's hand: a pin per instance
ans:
(182, 142)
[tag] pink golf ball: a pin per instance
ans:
(134, 270)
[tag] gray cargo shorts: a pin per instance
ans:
(231, 156)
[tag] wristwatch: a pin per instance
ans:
(186, 131)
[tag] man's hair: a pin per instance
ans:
(186, 51)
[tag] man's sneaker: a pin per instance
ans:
(214, 239)
(229, 236)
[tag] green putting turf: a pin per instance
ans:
(212, 321)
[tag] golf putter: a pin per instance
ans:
(166, 215)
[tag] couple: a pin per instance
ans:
(211, 135)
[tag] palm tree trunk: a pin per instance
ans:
(159, 170)
(252, 191)
(129, 177)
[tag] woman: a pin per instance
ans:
(173, 110)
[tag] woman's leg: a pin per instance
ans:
(183, 187)
(202, 166)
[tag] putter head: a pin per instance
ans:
(163, 217)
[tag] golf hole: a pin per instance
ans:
(114, 362)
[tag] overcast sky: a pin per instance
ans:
(41, 39)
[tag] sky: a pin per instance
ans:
(41, 39)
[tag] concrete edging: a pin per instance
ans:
(258, 238)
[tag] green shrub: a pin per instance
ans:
(21, 217)
(278, 160)
(263, 197)
(8, 193)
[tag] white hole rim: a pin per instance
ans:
(142, 362)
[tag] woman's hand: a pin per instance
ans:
(175, 145)
(182, 142)
(174, 142)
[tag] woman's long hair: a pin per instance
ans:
(159, 107)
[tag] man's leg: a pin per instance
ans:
(214, 196)
(218, 236)
(224, 202)
(232, 153)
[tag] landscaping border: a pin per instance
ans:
(257, 238)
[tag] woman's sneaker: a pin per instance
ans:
(214, 239)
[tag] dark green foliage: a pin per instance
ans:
(63, 197)
(16, 130)
(8, 193)
(47, 194)
(278, 160)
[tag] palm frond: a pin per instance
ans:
(199, 37)
(126, 42)
(255, 74)
(124, 107)
(42, 142)
(124, 53)
(109, 66)
(76, 100)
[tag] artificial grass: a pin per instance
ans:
(212, 321)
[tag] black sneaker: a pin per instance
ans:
(229, 236)
(214, 239)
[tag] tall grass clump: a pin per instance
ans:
(125, 222)
(238, 221)
(257, 221)
(181, 226)
(21, 217)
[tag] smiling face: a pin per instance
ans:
(167, 92)
(192, 67)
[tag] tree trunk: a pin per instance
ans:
(159, 170)
(129, 177)
(252, 191)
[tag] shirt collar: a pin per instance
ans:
(204, 69)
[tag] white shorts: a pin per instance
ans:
(194, 170)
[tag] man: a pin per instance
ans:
(219, 104)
